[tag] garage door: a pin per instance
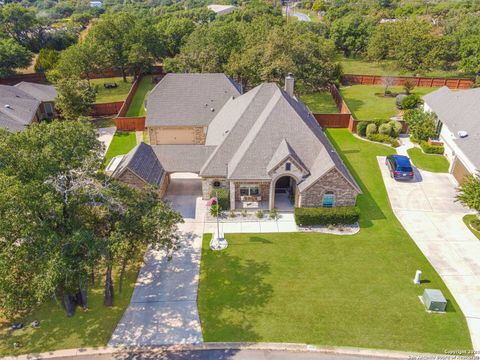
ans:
(459, 171)
(176, 136)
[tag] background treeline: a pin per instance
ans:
(418, 35)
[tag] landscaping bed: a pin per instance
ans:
(105, 95)
(330, 290)
(320, 102)
(473, 224)
(429, 162)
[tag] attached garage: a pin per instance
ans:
(459, 170)
(172, 135)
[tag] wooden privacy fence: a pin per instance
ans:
(130, 123)
(333, 120)
(351, 79)
(15, 79)
(105, 109)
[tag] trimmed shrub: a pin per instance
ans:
(431, 149)
(371, 129)
(362, 128)
(411, 102)
(385, 129)
(396, 128)
(383, 138)
(324, 216)
(223, 196)
(399, 99)
(260, 214)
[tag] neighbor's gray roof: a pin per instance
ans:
(188, 99)
(459, 111)
(182, 158)
(143, 162)
(17, 108)
(263, 119)
(41, 92)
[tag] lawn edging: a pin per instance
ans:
(467, 219)
(261, 346)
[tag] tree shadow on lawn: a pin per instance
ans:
(141, 354)
(354, 105)
(232, 291)
(85, 329)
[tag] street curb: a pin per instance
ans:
(287, 347)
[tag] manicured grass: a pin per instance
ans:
(137, 107)
(320, 102)
(467, 219)
(365, 105)
(85, 329)
(111, 95)
(383, 68)
(326, 289)
(122, 143)
(428, 162)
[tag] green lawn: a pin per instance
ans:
(383, 68)
(320, 102)
(365, 105)
(429, 162)
(467, 219)
(85, 329)
(121, 144)
(137, 107)
(326, 289)
(111, 95)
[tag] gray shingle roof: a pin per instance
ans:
(17, 108)
(41, 92)
(459, 111)
(188, 99)
(182, 158)
(143, 162)
(261, 120)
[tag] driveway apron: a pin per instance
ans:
(427, 209)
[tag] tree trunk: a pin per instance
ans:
(124, 75)
(92, 277)
(122, 275)
(108, 299)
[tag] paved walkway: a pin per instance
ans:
(427, 210)
(105, 136)
(139, 136)
(285, 223)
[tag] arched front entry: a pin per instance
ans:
(284, 194)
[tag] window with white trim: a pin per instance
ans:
(288, 166)
(249, 190)
(328, 199)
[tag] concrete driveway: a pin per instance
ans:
(427, 210)
(163, 308)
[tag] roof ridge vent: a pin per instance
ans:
(8, 106)
(462, 134)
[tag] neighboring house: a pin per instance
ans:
(458, 115)
(264, 146)
(96, 4)
(221, 9)
(24, 104)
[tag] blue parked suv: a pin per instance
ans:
(400, 167)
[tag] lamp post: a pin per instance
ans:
(217, 242)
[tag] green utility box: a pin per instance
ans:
(434, 300)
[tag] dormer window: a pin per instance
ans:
(288, 166)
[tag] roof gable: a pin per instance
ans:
(283, 154)
(143, 162)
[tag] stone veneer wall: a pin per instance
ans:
(207, 185)
(345, 194)
(264, 189)
(129, 178)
